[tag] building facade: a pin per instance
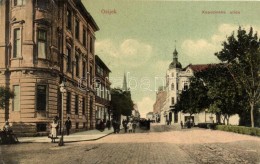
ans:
(43, 43)
(159, 104)
(103, 96)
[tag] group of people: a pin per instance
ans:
(129, 126)
(102, 124)
(7, 136)
(145, 124)
(55, 126)
(188, 124)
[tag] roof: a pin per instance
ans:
(175, 64)
(149, 113)
(199, 67)
(101, 63)
(86, 14)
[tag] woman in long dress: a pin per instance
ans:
(53, 131)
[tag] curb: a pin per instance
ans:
(94, 139)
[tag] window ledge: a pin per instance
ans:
(42, 10)
(18, 58)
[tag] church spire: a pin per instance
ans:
(124, 84)
(175, 64)
(175, 53)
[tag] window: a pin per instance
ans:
(172, 87)
(68, 102)
(77, 64)
(19, 2)
(41, 127)
(17, 43)
(16, 100)
(42, 4)
(185, 86)
(77, 125)
(69, 17)
(102, 91)
(41, 98)
(42, 44)
(85, 37)
(173, 74)
(68, 52)
(84, 69)
(172, 100)
(90, 71)
(76, 104)
(77, 29)
(83, 105)
(91, 45)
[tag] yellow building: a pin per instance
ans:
(42, 43)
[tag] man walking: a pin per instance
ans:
(68, 126)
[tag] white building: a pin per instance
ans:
(177, 80)
(150, 116)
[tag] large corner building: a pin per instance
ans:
(42, 43)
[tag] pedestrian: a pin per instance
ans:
(114, 125)
(130, 127)
(68, 125)
(7, 127)
(102, 125)
(181, 124)
(54, 126)
(108, 124)
(148, 124)
(134, 126)
(117, 126)
(125, 125)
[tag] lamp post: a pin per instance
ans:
(62, 90)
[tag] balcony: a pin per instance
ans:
(102, 101)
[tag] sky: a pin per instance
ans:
(138, 37)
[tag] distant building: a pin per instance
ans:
(42, 43)
(135, 112)
(150, 116)
(103, 96)
(177, 80)
(159, 103)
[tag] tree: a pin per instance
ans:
(242, 55)
(225, 96)
(5, 95)
(121, 102)
(194, 99)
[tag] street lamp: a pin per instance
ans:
(206, 110)
(62, 90)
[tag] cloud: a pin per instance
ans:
(203, 49)
(145, 106)
(131, 52)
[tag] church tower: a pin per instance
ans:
(173, 86)
(124, 88)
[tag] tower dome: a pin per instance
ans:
(175, 63)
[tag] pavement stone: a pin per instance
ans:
(185, 146)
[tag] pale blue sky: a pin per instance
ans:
(140, 37)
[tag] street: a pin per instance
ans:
(162, 144)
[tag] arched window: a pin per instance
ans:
(172, 86)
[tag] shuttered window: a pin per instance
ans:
(16, 100)
(17, 43)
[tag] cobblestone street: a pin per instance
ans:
(154, 146)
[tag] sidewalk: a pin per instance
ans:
(89, 135)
